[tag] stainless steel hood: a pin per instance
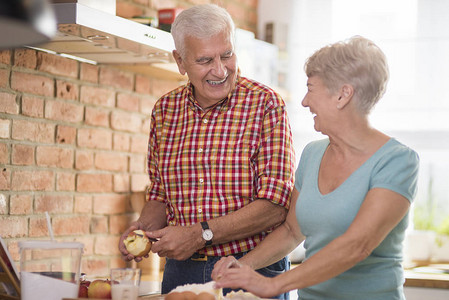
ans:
(101, 37)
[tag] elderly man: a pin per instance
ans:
(220, 159)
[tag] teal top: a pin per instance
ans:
(322, 218)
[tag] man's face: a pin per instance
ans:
(211, 65)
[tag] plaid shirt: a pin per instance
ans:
(204, 165)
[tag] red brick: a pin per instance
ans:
(89, 73)
(146, 125)
(119, 223)
(118, 262)
(139, 182)
(116, 78)
(64, 111)
(121, 142)
(5, 57)
(33, 131)
(65, 182)
(67, 90)
(127, 10)
(147, 104)
(5, 179)
(4, 78)
(121, 183)
(128, 102)
(110, 204)
(143, 84)
(5, 126)
(21, 204)
(161, 87)
(65, 135)
(4, 154)
(137, 201)
(88, 242)
(139, 144)
(54, 157)
(67, 225)
(94, 183)
(32, 181)
(103, 245)
(97, 117)
(26, 58)
(111, 162)
(83, 204)
(97, 266)
(38, 227)
(13, 227)
(33, 84)
(99, 224)
(97, 96)
(53, 203)
(94, 138)
(84, 160)
(8, 103)
(32, 107)
(137, 164)
(57, 65)
(125, 121)
(22, 155)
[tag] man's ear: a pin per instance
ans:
(345, 95)
(179, 62)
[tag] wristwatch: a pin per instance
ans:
(207, 233)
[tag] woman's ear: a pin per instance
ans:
(345, 95)
(179, 62)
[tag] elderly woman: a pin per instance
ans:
(352, 191)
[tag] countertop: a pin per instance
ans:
(430, 276)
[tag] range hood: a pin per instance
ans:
(99, 37)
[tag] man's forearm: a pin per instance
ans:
(152, 216)
(252, 219)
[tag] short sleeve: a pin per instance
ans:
(397, 171)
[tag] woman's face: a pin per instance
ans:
(320, 102)
(211, 65)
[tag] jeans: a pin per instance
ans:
(188, 271)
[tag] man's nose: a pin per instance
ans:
(219, 69)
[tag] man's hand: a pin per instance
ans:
(177, 242)
(121, 246)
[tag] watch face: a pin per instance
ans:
(207, 234)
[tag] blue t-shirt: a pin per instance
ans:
(322, 218)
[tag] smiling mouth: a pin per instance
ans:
(217, 82)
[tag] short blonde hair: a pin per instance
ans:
(356, 61)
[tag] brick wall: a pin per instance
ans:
(73, 142)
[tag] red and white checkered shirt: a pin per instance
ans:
(204, 165)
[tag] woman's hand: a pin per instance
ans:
(229, 273)
(222, 265)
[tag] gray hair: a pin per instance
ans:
(356, 61)
(201, 21)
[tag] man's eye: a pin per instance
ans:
(227, 55)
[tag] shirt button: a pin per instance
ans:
(205, 121)
(201, 180)
(200, 210)
(200, 150)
